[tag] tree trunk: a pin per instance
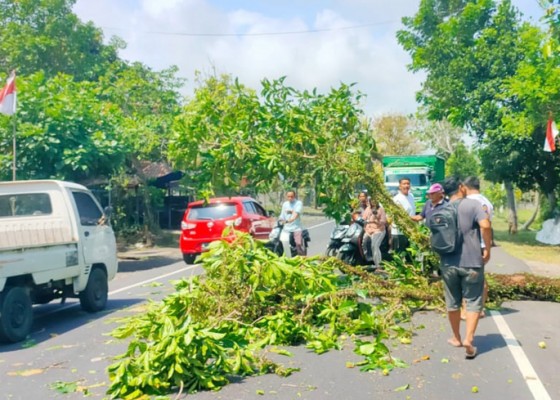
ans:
(512, 218)
(526, 225)
(551, 197)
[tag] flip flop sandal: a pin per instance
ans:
(471, 356)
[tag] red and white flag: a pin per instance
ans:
(551, 133)
(8, 96)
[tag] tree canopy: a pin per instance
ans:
(83, 112)
(281, 137)
(478, 56)
(395, 135)
(44, 35)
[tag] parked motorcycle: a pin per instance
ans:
(351, 252)
(350, 246)
(336, 240)
(275, 245)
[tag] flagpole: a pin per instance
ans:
(8, 100)
(14, 148)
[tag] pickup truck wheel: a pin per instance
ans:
(94, 296)
(16, 314)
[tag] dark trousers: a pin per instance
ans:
(399, 243)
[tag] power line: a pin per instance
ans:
(170, 33)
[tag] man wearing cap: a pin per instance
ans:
(437, 200)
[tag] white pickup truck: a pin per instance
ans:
(55, 242)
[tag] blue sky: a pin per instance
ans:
(158, 34)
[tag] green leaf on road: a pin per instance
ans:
(402, 388)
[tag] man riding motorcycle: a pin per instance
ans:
(292, 210)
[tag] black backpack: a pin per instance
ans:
(446, 236)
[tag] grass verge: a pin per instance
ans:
(524, 245)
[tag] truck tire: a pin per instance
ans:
(94, 296)
(16, 314)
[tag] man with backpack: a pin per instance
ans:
(456, 230)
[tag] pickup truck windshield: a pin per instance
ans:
(25, 204)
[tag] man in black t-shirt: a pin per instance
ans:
(463, 271)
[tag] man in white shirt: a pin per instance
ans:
(405, 199)
(472, 184)
(292, 210)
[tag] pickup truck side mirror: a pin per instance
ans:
(106, 218)
(271, 213)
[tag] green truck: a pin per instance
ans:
(422, 170)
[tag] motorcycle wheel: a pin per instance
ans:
(278, 249)
(349, 259)
(331, 252)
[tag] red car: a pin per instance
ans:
(204, 223)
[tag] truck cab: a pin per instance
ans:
(55, 242)
(422, 170)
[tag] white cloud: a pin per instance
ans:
(157, 35)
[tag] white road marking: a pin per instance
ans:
(321, 224)
(66, 307)
(531, 378)
(152, 279)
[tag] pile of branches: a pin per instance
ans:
(222, 324)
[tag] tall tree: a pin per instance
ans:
(536, 87)
(462, 162)
(215, 137)
(552, 16)
(468, 49)
(63, 131)
(441, 136)
(66, 75)
(395, 135)
(44, 35)
(148, 101)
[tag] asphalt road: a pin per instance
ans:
(70, 350)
